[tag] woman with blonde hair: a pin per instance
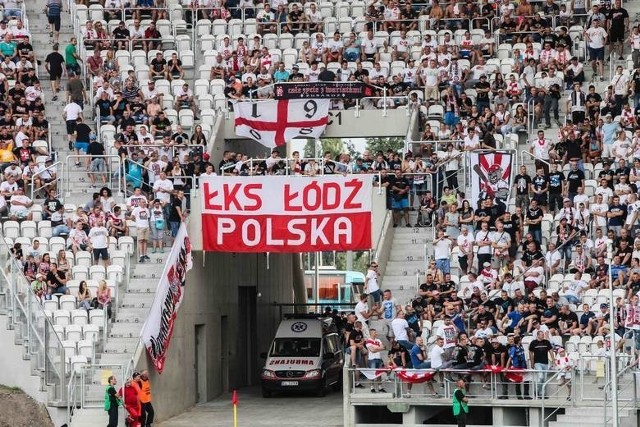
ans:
(63, 262)
(104, 297)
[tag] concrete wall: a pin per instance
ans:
(213, 292)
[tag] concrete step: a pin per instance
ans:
(403, 268)
(122, 345)
(137, 300)
(125, 330)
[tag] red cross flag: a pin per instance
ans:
(274, 122)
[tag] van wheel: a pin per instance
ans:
(266, 393)
(322, 391)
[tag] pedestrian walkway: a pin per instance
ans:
(254, 410)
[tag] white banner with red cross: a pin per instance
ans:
(281, 214)
(272, 123)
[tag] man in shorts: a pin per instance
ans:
(565, 365)
(400, 199)
(54, 64)
(141, 216)
(99, 237)
(71, 112)
(596, 39)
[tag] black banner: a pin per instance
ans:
(322, 90)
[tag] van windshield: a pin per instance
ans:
(295, 347)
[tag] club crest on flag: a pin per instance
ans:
(274, 122)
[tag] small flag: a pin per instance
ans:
(234, 397)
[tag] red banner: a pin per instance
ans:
(286, 214)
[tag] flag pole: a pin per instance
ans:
(234, 401)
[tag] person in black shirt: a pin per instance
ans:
(483, 213)
(607, 173)
(540, 355)
(57, 281)
(532, 251)
(575, 179)
(356, 343)
(160, 125)
(622, 170)
(51, 204)
(522, 183)
(556, 188)
(533, 218)
(121, 35)
(98, 165)
(499, 356)
(176, 214)
(104, 106)
(540, 187)
(54, 63)
(81, 136)
(400, 198)
(483, 87)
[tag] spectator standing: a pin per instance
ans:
(71, 112)
(71, 57)
(112, 402)
(54, 64)
(145, 399)
(517, 360)
(371, 286)
(97, 167)
(157, 225)
(141, 215)
(460, 403)
(99, 238)
(541, 355)
(374, 348)
(442, 252)
(176, 214)
(130, 394)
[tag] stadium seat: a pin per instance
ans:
(61, 317)
(68, 302)
(73, 333)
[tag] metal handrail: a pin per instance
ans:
(533, 156)
(608, 385)
(375, 252)
(57, 180)
(109, 158)
(544, 418)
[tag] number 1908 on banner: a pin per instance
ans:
(280, 214)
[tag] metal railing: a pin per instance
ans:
(57, 167)
(608, 392)
(570, 402)
(74, 173)
(34, 330)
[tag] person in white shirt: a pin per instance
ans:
(363, 313)
(374, 357)
(401, 330)
(574, 289)
(442, 252)
(99, 238)
(70, 113)
(465, 244)
(163, 188)
(604, 191)
(140, 215)
(483, 241)
(620, 83)
(596, 37)
(552, 259)
(20, 206)
(471, 141)
(371, 285)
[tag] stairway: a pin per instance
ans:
(404, 270)
(123, 337)
(592, 416)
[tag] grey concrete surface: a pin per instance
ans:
(254, 410)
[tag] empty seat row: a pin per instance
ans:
(76, 317)
(75, 333)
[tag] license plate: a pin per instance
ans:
(289, 383)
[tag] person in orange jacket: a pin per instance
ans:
(145, 399)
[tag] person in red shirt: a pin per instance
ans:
(129, 394)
